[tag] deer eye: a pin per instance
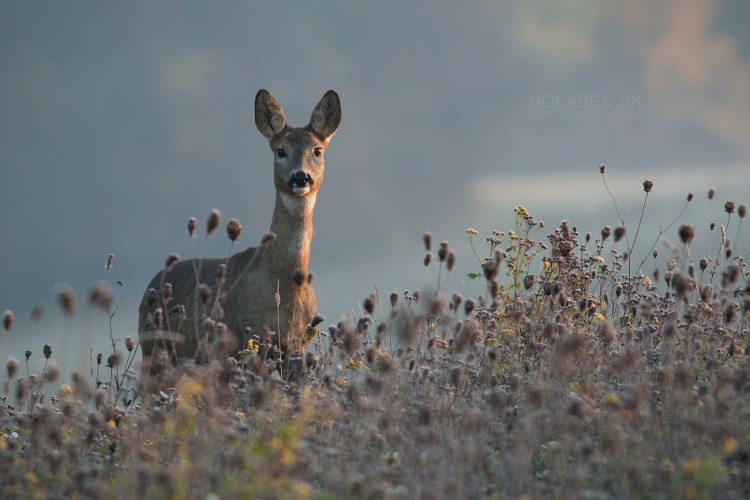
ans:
(318, 151)
(281, 153)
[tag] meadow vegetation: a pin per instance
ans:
(574, 375)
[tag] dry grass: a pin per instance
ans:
(573, 376)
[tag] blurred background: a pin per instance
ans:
(122, 120)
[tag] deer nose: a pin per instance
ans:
(300, 179)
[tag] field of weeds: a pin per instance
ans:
(575, 375)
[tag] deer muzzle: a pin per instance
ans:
(301, 182)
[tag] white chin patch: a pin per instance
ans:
(300, 190)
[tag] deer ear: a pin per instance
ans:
(326, 116)
(269, 117)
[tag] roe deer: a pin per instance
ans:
(177, 325)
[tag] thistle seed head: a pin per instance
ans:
(214, 219)
(648, 185)
(742, 211)
(451, 260)
(369, 304)
(12, 367)
(619, 233)
(268, 238)
(101, 296)
(681, 285)
(427, 239)
(192, 222)
(528, 281)
(687, 233)
(317, 319)
(234, 228)
(729, 207)
(171, 259)
(443, 251)
(606, 231)
(8, 319)
(47, 351)
(204, 292)
(66, 297)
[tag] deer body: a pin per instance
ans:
(247, 293)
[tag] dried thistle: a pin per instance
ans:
(129, 344)
(427, 259)
(681, 285)
(167, 292)
(690, 197)
(101, 296)
(394, 299)
(52, 372)
(528, 281)
(37, 312)
(12, 367)
(369, 304)
(317, 319)
(729, 207)
(171, 259)
(267, 238)
(469, 306)
(47, 351)
(214, 219)
(443, 251)
(602, 168)
(619, 233)
(8, 319)
(204, 292)
(427, 239)
(192, 223)
(234, 228)
(648, 185)
(687, 233)
(742, 211)
(711, 193)
(606, 231)
(451, 260)
(66, 297)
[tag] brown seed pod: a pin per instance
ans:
(192, 222)
(234, 228)
(8, 319)
(214, 219)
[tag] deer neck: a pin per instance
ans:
(293, 224)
